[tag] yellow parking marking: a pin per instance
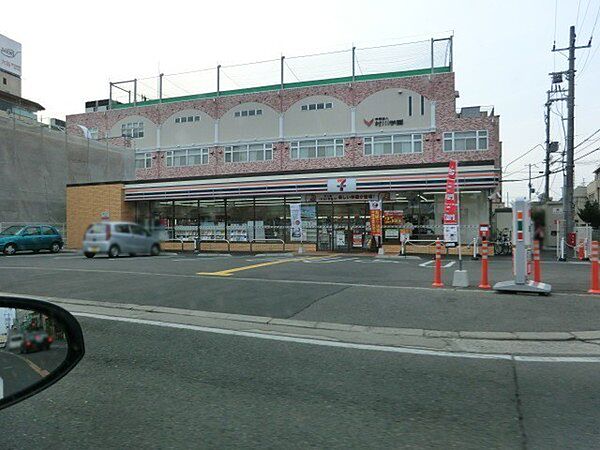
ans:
(41, 372)
(229, 272)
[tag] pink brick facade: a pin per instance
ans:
(439, 88)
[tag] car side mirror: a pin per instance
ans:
(39, 344)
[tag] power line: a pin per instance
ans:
(554, 171)
(521, 156)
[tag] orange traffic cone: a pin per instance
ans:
(437, 275)
(594, 284)
(537, 270)
(484, 283)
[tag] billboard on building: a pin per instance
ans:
(10, 55)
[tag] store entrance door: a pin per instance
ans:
(343, 227)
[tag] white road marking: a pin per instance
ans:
(430, 263)
(348, 345)
(282, 281)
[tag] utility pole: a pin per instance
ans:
(547, 161)
(551, 147)
(568, 213)
(529, 185)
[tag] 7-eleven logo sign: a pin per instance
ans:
(341, 184)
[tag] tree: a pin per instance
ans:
(590, 213)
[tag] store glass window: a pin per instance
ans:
(162, 219)
(143, 215)
(211, 215)
(270, 218)
(185, 219)
(240, 219)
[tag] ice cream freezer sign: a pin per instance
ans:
(450, 218)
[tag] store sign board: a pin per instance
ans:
(343, 196)
(383, 122)
(341, 184)
(10, 55)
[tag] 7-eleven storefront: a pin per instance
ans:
(333, 206)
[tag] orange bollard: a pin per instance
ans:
(537, 270)
(484, 283)
(594, 285)
(437, 275)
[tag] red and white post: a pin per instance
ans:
(537, 270)
(484, 283)
(594, 282)
(437, 275)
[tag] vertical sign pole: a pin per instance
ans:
(458, 218)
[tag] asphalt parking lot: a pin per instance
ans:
(334, 288)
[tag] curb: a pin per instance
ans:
(556, 336)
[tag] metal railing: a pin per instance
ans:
(266, 241)
(225, 241)
(410, 241)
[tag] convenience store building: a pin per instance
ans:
(227, 165)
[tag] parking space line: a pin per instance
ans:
(229, 272)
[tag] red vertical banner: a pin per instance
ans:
(450, 218)
(375, 216)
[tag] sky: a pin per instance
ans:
(502, 53)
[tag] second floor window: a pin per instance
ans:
(187, 157)
(132, 130)
(393, 144)
(248, 113)
(317, 106)
(317, 148)
(248, 153)
(143, 160)
(459, 141)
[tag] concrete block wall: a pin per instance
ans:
(36, 164)
(87, 203)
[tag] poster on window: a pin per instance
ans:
(375, 216)
(295, 222)
(393, 218)
(450, 218)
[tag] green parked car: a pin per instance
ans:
(30, 237)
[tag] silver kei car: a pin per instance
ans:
(115, 238)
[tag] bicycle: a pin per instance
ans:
(503, 245)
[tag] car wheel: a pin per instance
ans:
(155, 250)
(113, 251)
(10, 249)
(89, 254)
(55, 248)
